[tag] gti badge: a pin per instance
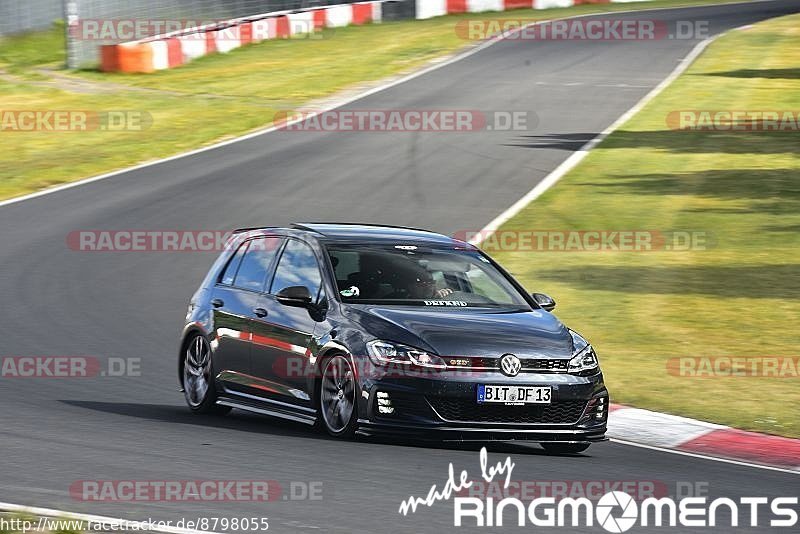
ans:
(510, 365)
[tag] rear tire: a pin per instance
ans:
(564, 448)
(337, 398)
(199, 386)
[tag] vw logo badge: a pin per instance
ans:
(510, 365)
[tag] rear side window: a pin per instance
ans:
(233, 266)
(298, 267)
(257, 263)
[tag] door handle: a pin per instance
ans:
(261, 312)
(217, 303)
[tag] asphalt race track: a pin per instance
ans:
(57, 301)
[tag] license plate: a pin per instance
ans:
(515, 395)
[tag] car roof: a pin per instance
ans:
(356, 233)
(372, 233)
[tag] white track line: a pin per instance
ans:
(121, 524)
(344, 102)
(705, 457)
(571, 162)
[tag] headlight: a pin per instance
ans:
(385, 353)
(585, 360)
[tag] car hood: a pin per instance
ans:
(470, 332)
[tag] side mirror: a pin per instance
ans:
(545, 302)
(297, 296)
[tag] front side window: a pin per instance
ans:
(256, 263)
(297, 267)
(422, 277)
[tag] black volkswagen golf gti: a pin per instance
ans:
(375, 329)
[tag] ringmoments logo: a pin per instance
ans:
(618, 511)
(615, 511)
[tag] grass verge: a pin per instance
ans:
(209, 100)
(741, 296)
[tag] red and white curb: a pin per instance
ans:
(672, 432)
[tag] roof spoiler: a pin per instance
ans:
(309, 226)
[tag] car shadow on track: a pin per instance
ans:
(241, 421)
(177, 414)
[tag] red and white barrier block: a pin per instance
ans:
(175, 49)
(172, 50)
(690, 435)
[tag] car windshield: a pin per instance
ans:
(415, 276)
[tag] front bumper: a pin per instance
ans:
(446, 409)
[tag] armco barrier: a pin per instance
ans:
(175, 49)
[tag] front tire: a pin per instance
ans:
(338, 407)
(565, 448)
(199, 387)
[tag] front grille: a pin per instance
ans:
(468, 410)
(545, 365)
(536, 364)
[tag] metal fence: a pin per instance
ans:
(23, 15)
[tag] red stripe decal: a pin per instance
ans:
(266, 341)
